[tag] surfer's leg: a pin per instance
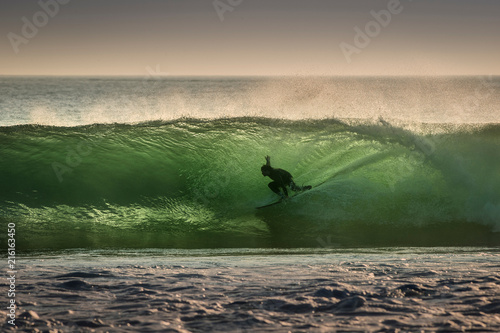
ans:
(274, 187)
(296, 188)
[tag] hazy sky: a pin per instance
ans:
(250, 37)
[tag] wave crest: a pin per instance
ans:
(196, 183)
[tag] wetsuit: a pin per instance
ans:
(281, 179)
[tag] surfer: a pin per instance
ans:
(281, 179)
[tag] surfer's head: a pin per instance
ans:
(266, 170)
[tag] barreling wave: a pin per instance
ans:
(194, 183)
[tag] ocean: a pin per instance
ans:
(132, 204)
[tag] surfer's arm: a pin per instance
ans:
(268, 160)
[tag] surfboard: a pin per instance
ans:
(271, 204)
(280, 200)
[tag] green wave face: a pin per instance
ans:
(195, 184)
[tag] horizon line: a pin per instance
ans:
(152, 77)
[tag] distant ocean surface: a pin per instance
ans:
(134, 204)
(175, 163)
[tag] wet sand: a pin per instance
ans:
(383, 290)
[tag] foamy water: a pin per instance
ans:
(81, 101)
(302, 290)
